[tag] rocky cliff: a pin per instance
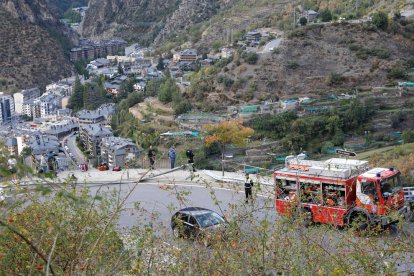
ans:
(145, 20)
(31, 45)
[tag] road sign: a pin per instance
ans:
(345, 152)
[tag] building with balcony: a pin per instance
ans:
(46, 105)
(91, 136)
(116, 151)
(186, 55)
(101, 115)
(24, 96)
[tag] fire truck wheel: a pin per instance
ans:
(305, 216)
(359, 222)
(393, 230)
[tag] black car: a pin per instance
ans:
(196, 222)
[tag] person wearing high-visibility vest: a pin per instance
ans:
(248, 185)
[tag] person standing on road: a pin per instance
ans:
(172, 155)
(43, 163)
(248, 185)
(190, 156)
(151, 157)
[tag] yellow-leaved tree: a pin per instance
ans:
(227, 133)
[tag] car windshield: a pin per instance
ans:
(209, 219)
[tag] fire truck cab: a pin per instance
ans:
(338, 191)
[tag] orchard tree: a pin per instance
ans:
(227, 133)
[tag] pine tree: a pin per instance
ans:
(76, 100)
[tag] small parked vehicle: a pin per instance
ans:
(117, 169)
(103, 167)
(198, 223)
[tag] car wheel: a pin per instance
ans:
(176, 232)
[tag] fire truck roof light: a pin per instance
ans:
(392, 169)
(378, 174)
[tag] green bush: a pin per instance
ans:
(293, 65)
(408, 136)
(364, 53)
(296, 33)
(325, 15)
(303, 21)
(251, 58)
(397, 73)
(182, 107)
(380, 20)
(334, 79)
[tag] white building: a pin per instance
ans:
(23, 96)
(59, 89)
(43, 106)
(226, 52)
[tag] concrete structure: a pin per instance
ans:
(43, 144)
(12, 146)
(226, 52)
(185, 55)
(23, 96)
(59, 88)
(91, 136)
(289, 104)
(310, 15)
(6, 108)
(90, 50)
(115, 151)
(44, 106)
(253, 36)
(101, 115)
(62, 129)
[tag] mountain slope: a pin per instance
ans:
(144, 20)
(353, 54)
(31, 52)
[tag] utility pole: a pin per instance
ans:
(294, 17)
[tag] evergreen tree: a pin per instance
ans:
(380, 20)
(160, 65)
(76, 100)
(167, 90)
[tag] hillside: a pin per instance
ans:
(60, 6)
(31, 44)
(144, 21)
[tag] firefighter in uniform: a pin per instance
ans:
(190, 156)
(248, 185)
(151, 157)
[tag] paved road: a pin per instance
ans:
(73, 148)
(271, 45)
(157, 203)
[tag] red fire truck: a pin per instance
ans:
(339, 192)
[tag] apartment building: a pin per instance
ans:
(185, 55)
(116, 151)
(24, 96)
(6, 108)
(91, 136)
